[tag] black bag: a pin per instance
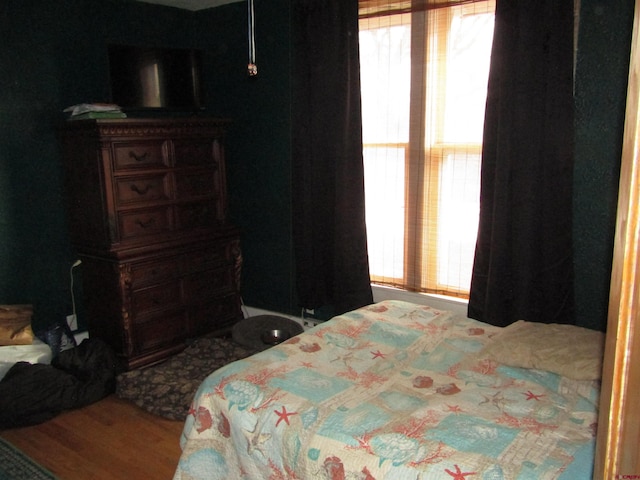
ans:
(34, 393)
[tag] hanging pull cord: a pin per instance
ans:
(252, 68)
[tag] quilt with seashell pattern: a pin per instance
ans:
(390, 391)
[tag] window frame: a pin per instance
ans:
(425, 150)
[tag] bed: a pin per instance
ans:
(397, 391)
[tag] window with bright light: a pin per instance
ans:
(424, 85)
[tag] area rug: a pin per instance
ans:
(166, 389)
(15, 465)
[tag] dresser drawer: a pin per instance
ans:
(138, 223)
(160, 331)
(196, 184)
(194, 152)
(140, 154)
(202, 260)
(218, 315)
(157, 297)
(203, 286)
(190, 216)
(155, 272)
(141, 189)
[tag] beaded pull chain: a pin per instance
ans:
(252, 68)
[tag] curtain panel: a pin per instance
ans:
(329, 228)
(523, 267)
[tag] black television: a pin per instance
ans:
(160, 78)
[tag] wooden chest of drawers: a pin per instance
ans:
(148, 217)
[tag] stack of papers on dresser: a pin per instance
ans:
(95, 110)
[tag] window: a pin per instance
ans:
(424, 80)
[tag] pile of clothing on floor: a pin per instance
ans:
(32, 393)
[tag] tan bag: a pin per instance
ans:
(15, 325)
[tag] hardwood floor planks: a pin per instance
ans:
(111, 439)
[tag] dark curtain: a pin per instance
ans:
(523, 266)
(330, 241)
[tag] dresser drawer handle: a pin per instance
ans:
(141, 191)
(147, 224)
(138, 158)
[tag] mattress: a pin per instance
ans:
(37, 352)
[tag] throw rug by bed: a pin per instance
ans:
(166, 389)
(15, 465)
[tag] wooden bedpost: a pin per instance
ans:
(618, 442)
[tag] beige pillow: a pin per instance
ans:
(567, 350)
(15, 325)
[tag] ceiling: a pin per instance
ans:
(191, 4)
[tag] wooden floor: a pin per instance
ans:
(111, 439)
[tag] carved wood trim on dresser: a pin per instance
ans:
(147, 204)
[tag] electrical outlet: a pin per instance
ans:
(309, 323)
(72, 321)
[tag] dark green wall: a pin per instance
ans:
(53, 55)
(259, 171)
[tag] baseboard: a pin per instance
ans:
(441, 302)
(252, 312)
